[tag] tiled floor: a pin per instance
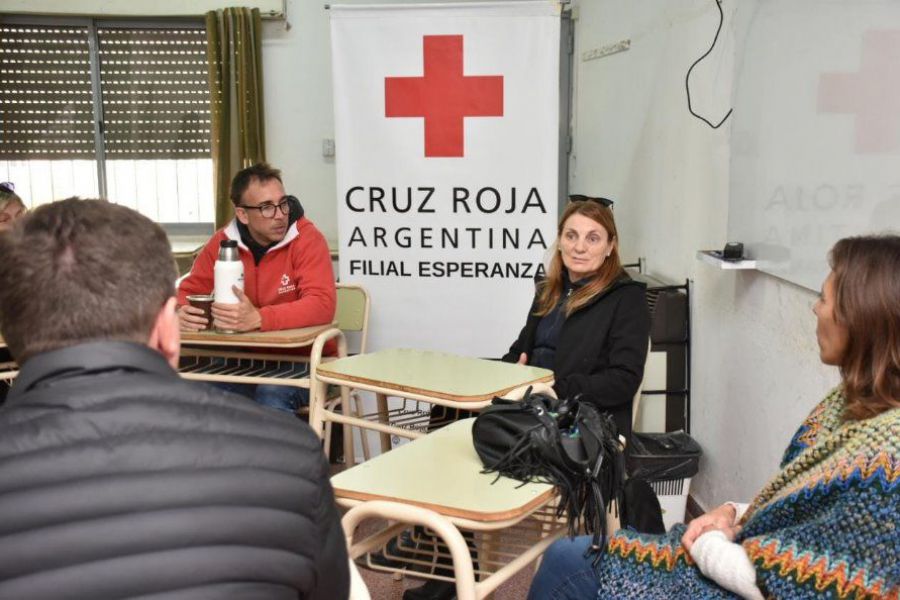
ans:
(383, 587)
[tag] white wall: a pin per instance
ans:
(297, 96)
(755, 368)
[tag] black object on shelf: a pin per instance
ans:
(733, 251)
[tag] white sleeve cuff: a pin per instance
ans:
(726, 563)
(739, 509)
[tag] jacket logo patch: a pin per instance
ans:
(286, 285)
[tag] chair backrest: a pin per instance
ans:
(637, 395)
(352, 312)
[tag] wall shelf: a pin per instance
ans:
(714, 258)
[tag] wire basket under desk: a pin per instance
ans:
(245, 368)
(419, 553)
(416, 416)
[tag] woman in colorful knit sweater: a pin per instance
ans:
(828, 524)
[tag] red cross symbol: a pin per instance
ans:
(872, 94)
(444, 96)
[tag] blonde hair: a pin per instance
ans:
(551, 289)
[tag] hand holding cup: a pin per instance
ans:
(196, 315)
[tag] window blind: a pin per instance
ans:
(153, 87)
(45, 93)
(155, 92)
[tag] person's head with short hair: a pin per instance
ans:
(587, 251)
(86, 270)
(858, 322)
(11, 206)
(260, 203)
(261, 172)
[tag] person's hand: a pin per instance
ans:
(242, 316)
(523, 359)
(190, 318)
(719, 519)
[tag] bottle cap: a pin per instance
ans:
(228, 244)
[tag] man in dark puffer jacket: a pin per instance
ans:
(118, 479)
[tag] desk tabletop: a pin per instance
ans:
(188, 243)
(436, 374)
(441, 471)
(285, 338)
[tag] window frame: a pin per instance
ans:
(92, 24)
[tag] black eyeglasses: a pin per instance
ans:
(268, 210)
(8, 186)
(604, 202)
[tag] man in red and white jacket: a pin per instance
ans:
(288, 279)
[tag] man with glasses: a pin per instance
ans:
(288, 279)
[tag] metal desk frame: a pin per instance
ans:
(511, 524)
(413, 423)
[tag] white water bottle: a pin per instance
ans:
(229, 271)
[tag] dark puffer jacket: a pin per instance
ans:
(601, 349)
(118, 479)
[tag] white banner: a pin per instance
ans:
(446, 127)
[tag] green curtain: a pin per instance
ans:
(234, 55)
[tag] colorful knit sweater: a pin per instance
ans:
(826, 526)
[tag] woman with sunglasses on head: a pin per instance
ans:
(11, 206)
(826, 526)
(589, 322)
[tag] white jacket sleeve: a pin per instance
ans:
(726, 563)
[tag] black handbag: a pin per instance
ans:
(567, 443)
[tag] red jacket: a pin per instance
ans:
(293, 285)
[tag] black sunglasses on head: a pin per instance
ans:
(604, 202)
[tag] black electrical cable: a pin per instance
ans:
(687, 77)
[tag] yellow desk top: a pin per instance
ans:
(442, 472)
(435, 374)
(285, 338)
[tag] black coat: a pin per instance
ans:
(119, 479)
(601, 349)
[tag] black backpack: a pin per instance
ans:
(567, 443)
